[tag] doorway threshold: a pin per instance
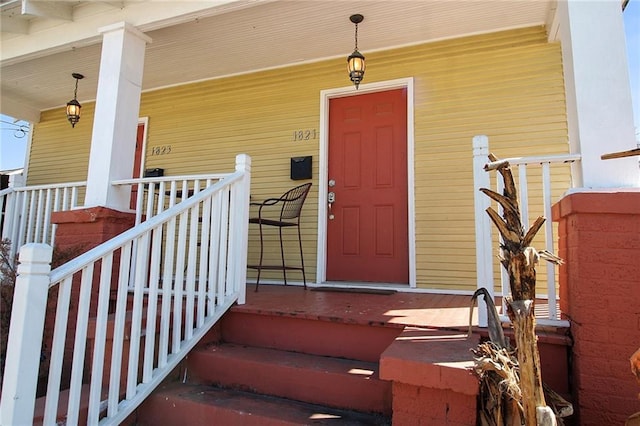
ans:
(359, 286)
(355, 290)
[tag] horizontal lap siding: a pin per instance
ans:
(512, 93)
(507, 85)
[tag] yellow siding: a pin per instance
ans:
(506, 85)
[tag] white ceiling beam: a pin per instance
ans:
(16, 108)
(48, 9)
(14, 25)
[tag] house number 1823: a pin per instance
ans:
(161, 150)
(305, 134)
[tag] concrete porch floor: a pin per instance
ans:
(373, 307)
(361, 306)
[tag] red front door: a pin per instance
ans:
(367, 227)
(137, 160)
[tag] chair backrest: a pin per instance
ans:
(292, 201)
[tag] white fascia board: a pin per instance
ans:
(48, 9)
(45, 39)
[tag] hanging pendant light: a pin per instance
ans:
(355, 61)
(73, 106)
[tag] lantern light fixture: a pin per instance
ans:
(73, 106)
(355, 61)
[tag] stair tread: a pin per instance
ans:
(367, 370)
(336, 382)
(256, 409)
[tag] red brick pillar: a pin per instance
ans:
(599, 239)
(89, 227)
(79, 231)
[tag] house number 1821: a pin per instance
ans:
(305, 134)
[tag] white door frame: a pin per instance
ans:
(325, 97)
(143, 156)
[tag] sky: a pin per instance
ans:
(13, 141)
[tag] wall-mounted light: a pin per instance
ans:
(73, 106)
(355, 61)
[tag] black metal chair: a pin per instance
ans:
(289, 207)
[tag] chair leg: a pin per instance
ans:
(261, 255)
(304, 278)
(284, 268)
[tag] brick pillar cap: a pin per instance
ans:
(614, 201)
(90, 215)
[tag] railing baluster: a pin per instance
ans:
(548, 235)
(136, 314)
(79, 345)
(57, 351)
(179, 282)
(152, 304)
(524, 195)
(222, 256)
(203, 282)
(215, 295)
(30, 218)
(191, 272)
(74, 197)
(115, 380)
(37, 223)
(66, 202)
(56, 207)
(99, 343)
(167, 278)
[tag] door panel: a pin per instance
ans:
(367, 228)
(137, 160)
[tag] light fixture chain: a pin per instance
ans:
(356, 36)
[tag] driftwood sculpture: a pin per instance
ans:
(634, 420)
(525, 403)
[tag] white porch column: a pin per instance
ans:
(116, 115)
(599, 108)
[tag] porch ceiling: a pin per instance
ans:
(203, 40)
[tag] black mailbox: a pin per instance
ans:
(157, 172)
(301, 168)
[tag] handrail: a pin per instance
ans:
(541, 159)
(150, 293)
(169, 178)
(50, 186)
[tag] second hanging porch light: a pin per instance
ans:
(355, 61)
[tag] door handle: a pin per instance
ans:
(331, 198)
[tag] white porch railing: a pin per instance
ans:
(150, 328)
(27, 211)
(161, 193)
(537, 193)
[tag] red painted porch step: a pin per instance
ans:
(311, 334)
(196, 405)
(335, 382)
